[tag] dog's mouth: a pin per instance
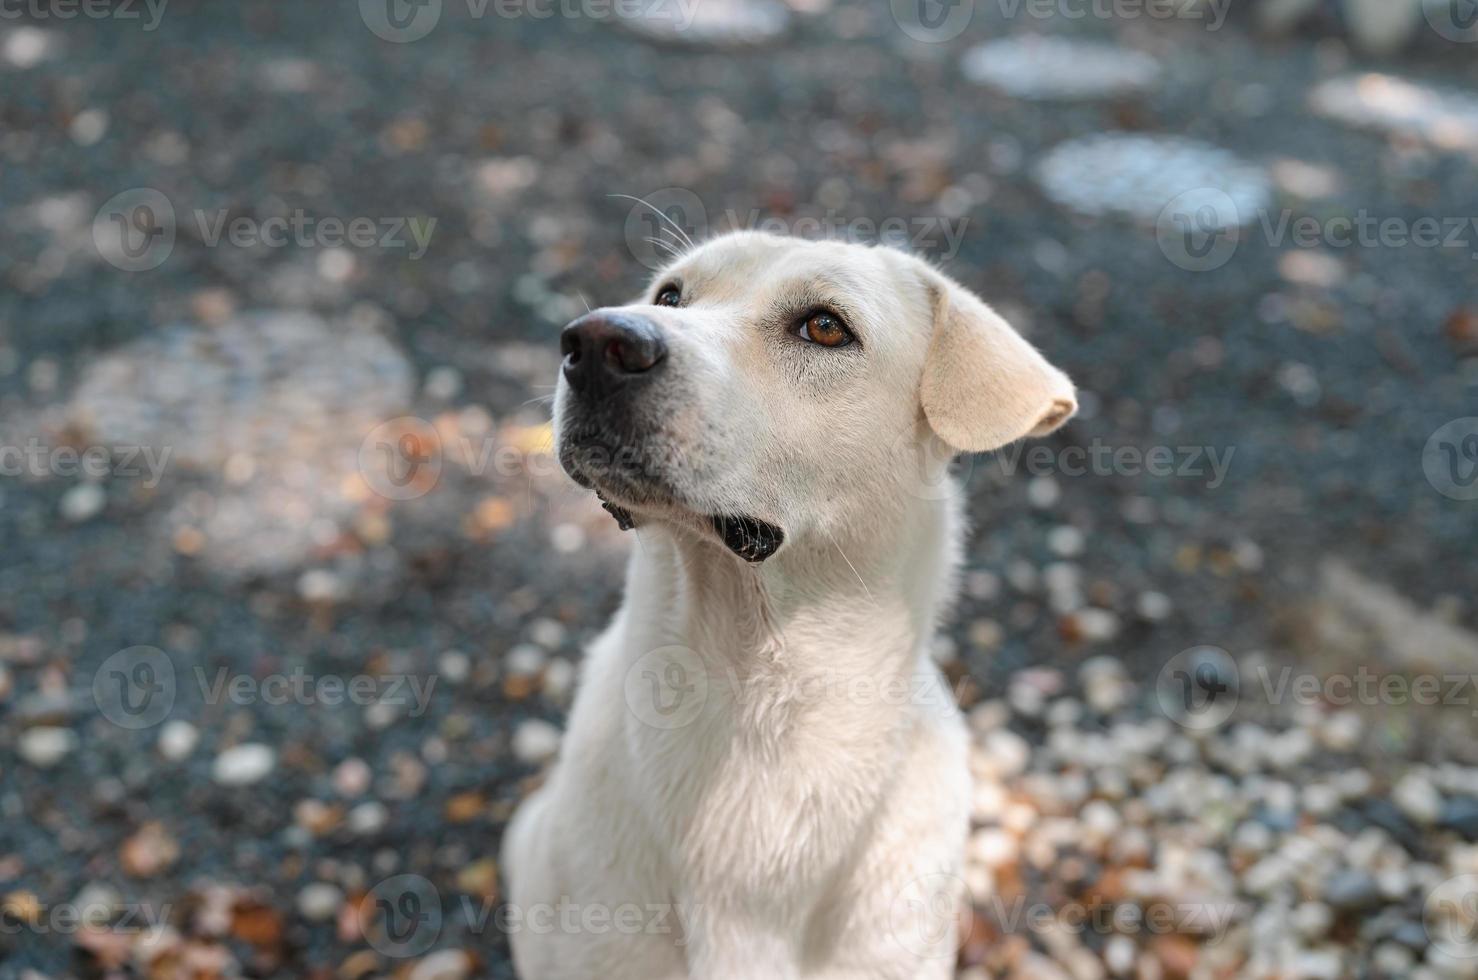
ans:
(625, 492)
(750, 538)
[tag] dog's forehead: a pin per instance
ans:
(759, 266)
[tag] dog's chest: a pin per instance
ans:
(770, 787)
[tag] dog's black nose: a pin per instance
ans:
(608, 348)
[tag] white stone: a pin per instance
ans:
(993, 848)
(1418, 798)
(319, 901)
(244, 764)
(177, 739)
(1153, 606)
(1141, 175)
(559, 680)
(535, 741)
(1008, 752)
(1039, 66)
(45, 746)
(83, 502)
(367, 818)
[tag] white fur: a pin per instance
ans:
(801, 810)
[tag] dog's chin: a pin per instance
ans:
(634, 499)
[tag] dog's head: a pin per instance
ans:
(767, 388)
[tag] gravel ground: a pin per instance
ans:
(292, 595)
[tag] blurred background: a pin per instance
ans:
(292, 595)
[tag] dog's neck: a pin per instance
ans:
(861, 603)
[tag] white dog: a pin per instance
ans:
(765, 776)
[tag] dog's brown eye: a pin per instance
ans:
(670, 296)
(825, 329)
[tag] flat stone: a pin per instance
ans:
(1460, 815)
(1043, 67)
(1352, 890)
(1140, 176)
(244, 764)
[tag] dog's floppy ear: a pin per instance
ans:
(983, 384)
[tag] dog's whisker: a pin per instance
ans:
(663, 243)
(853, 567)
(661, 214)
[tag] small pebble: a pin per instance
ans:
(319, 901)
(177, 739)
(1042, 492)
(1153, 606)
(244, 764)
(83, 502)
(535, 741)
(1418, 798)
(45, 746)
(446, 964)
(368, 818)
